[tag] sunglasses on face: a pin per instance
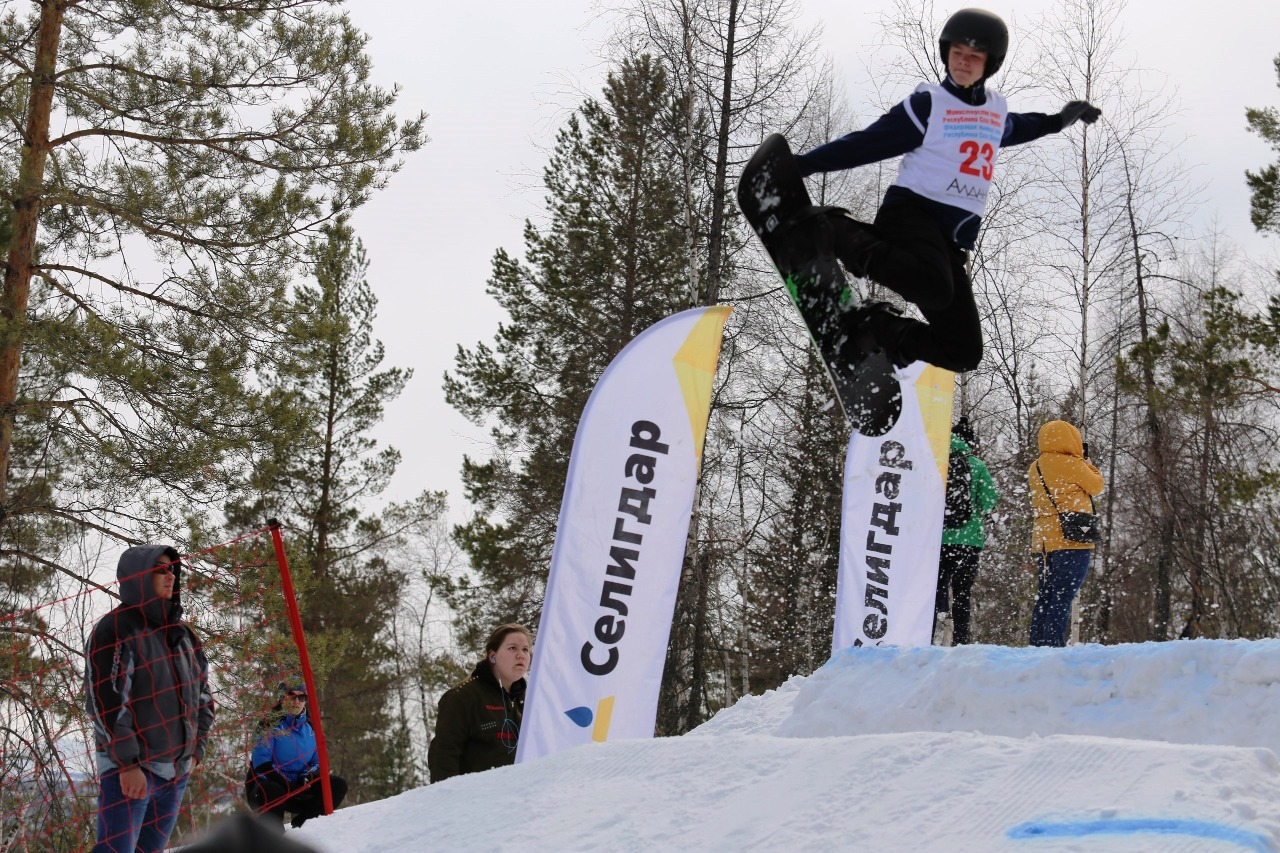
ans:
(295, 697)
(166, 569)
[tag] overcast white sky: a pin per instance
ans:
(497, 79)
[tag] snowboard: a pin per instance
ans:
(774, 200)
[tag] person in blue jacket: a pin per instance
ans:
(949, 135)
(285, 766)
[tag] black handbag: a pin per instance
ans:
(1083, 528)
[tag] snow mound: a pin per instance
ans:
(1201, 691)
(1148, 747)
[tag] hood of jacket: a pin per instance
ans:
(959, 445)
(1060, 437)
(134, 573)
(484, 672)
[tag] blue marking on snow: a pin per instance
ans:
(1134, 826)
(580, 715)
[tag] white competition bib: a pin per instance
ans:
(955, 162)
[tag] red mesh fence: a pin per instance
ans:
(237, 602)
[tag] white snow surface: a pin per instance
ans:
(1168, 747)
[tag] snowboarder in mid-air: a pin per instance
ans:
(950, 134)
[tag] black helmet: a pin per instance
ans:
(980, 30)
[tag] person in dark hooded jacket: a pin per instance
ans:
(285, 765)
(147, 692)
(962, 544)
(478, 722)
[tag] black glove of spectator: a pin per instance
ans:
(265, 785)
(1079, 111)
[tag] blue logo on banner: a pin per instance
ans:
(581, 715)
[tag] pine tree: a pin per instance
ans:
(327, 393)
(609, 263)
(1210, 367)
(1264, 185)
(161, 164)
(792, 594)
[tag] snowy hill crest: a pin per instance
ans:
(1147, 747)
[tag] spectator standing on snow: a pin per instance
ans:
(1061, 480)
(971, 495)
(478, 721)
(146, 685)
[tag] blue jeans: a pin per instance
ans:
(1060, 575)
(137, 826)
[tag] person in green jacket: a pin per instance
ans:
(964, 533)
(478, 722)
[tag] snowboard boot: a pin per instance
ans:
(805, 234)
(854, 242)
(879, 326)
(804, 256)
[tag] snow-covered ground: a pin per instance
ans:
(1168, 747)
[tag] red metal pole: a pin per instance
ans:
(299, 640)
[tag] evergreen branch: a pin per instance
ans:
(129, 216)
(181, 82)
(112, 283)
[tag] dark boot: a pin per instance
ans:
(804, 236)
(853, 242)
(876, 326)
(274, 818)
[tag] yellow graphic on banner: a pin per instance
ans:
(604, 713)
(695, 363)
(934, 389)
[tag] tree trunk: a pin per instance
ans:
(1199, 600)
(715, 242)
(1155, 437)
(27, 200)
(698, 651)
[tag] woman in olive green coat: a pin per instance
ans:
(478, 722)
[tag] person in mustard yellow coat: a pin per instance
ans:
(1062, 470)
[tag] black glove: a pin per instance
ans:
(262, 772)
(265, 785)
(1079, 111)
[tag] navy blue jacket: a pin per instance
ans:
(894, 134)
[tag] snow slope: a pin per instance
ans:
(1167, 747)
